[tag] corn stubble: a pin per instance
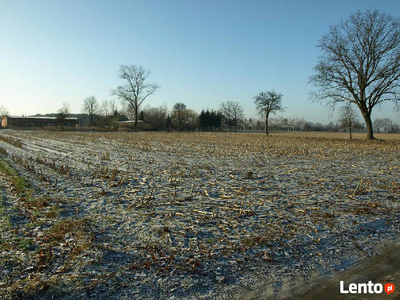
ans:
(108, 210)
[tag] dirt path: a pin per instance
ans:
(383, 268)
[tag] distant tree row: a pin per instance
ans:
(229, 117)
(210, 120)
(182, 119)
(386, 125)
(106, 115)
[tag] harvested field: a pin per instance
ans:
(188, 215)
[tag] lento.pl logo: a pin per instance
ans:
(389, 288)
(366, 288)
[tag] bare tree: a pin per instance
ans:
(387, 125)
(104, 110)
(360, 63)
(179, 106)
(378, 124)
(108, 108)
(191, 119)
(156, 116)
(91, 107)
(3, 111)
(384, 124)
(113, 107)
(63, 113)
(395, 128)
(136, 89)
(232, 113)
(268, 103)
(178, 115)
(348, 118)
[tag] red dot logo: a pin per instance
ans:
(389, 288)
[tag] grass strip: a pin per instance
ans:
(20, 184)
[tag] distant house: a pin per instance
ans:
(16, 121)
(129, 124)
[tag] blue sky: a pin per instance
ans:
(201, 52)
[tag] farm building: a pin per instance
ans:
(130, 124)
(16, 121)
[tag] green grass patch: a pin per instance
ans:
(3, 151)
(5, 222)
(1, 205)
(20, 184)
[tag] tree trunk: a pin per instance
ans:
(368, 123)
(136, 116)
(266, 124)
(350, 133)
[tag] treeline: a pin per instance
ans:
(229, 117)
(107, 114)
(183, 119)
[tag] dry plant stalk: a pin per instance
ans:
(362, 188)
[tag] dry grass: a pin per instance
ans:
(12, 141)
(238, 144)
(184, 201)
(25, 250)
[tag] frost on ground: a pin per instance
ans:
(188, 215)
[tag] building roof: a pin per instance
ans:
(40, 117)
(129, 122)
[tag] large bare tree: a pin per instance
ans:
(268, 103)
(360, 63)
(91, 107)
(136, 89)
